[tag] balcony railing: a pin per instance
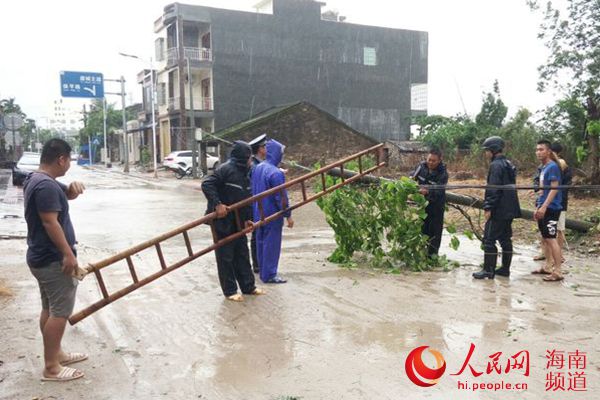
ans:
(202, 104)
(197, 54)
(191, 53)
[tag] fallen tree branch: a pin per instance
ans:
(476, 231)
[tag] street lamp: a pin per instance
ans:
(153, 97)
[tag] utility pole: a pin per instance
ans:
(180, 71)
(153, 97)
(192, 124)
(106, 158)
(125, 138)
(122, 94)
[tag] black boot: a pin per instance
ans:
(489, 265)
(506, 260)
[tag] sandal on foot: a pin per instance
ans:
(541, 271)
(65, 374)
(539, 257)
(236, 297)
(73, 358)
(258, 292)
(553, 278)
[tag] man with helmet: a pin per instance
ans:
(501, 207)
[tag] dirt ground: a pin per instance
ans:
(329, 333)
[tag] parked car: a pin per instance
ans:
(184, 158)
(28, 163)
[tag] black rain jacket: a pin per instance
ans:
(435, 197)
(228, 185)
(503, 204)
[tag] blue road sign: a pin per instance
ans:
(81, 84)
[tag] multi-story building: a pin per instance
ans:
(63, 120)
(240, 63)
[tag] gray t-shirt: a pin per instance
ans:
(43, 193)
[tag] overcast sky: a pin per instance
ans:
(471, 43)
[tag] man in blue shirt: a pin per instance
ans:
(51, 254)
(548, 208)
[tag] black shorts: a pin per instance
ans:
(549, 224)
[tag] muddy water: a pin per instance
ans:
(330, 333)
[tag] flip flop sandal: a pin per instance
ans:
(258, 292)
(236, 297)
(553, 278)
(539, 258)
(541, 271)
(65, 374)
(74, 358)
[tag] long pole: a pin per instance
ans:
(192, 123)
(153, 117)
(125, 138)
(90, 150)
(105, 142)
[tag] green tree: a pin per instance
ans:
(574, 43)
(521, 136)
(461, 132)
(493, 111)
(94, 124)
(566, 122)
(447, 133)
(10, 106)
(28, 131)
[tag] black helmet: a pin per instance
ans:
(494, 144)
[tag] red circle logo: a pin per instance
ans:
(419, 373)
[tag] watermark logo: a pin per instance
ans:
(419, 373)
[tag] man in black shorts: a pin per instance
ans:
(549, 206)
(51, 254)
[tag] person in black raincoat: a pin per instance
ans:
(501, 207)
(228, 185)
(433, 172)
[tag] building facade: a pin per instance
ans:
(62, 119)
(235, 63)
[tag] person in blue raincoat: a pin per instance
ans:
(259, 153)
(265, 176)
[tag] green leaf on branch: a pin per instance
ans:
(454, 243)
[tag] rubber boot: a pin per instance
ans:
(489, 265)
(506, 260)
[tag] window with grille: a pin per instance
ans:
(369, 56)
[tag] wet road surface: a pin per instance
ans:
(330, 333)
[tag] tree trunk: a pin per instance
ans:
(580, 226)
(594, 160)
(593, 114)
